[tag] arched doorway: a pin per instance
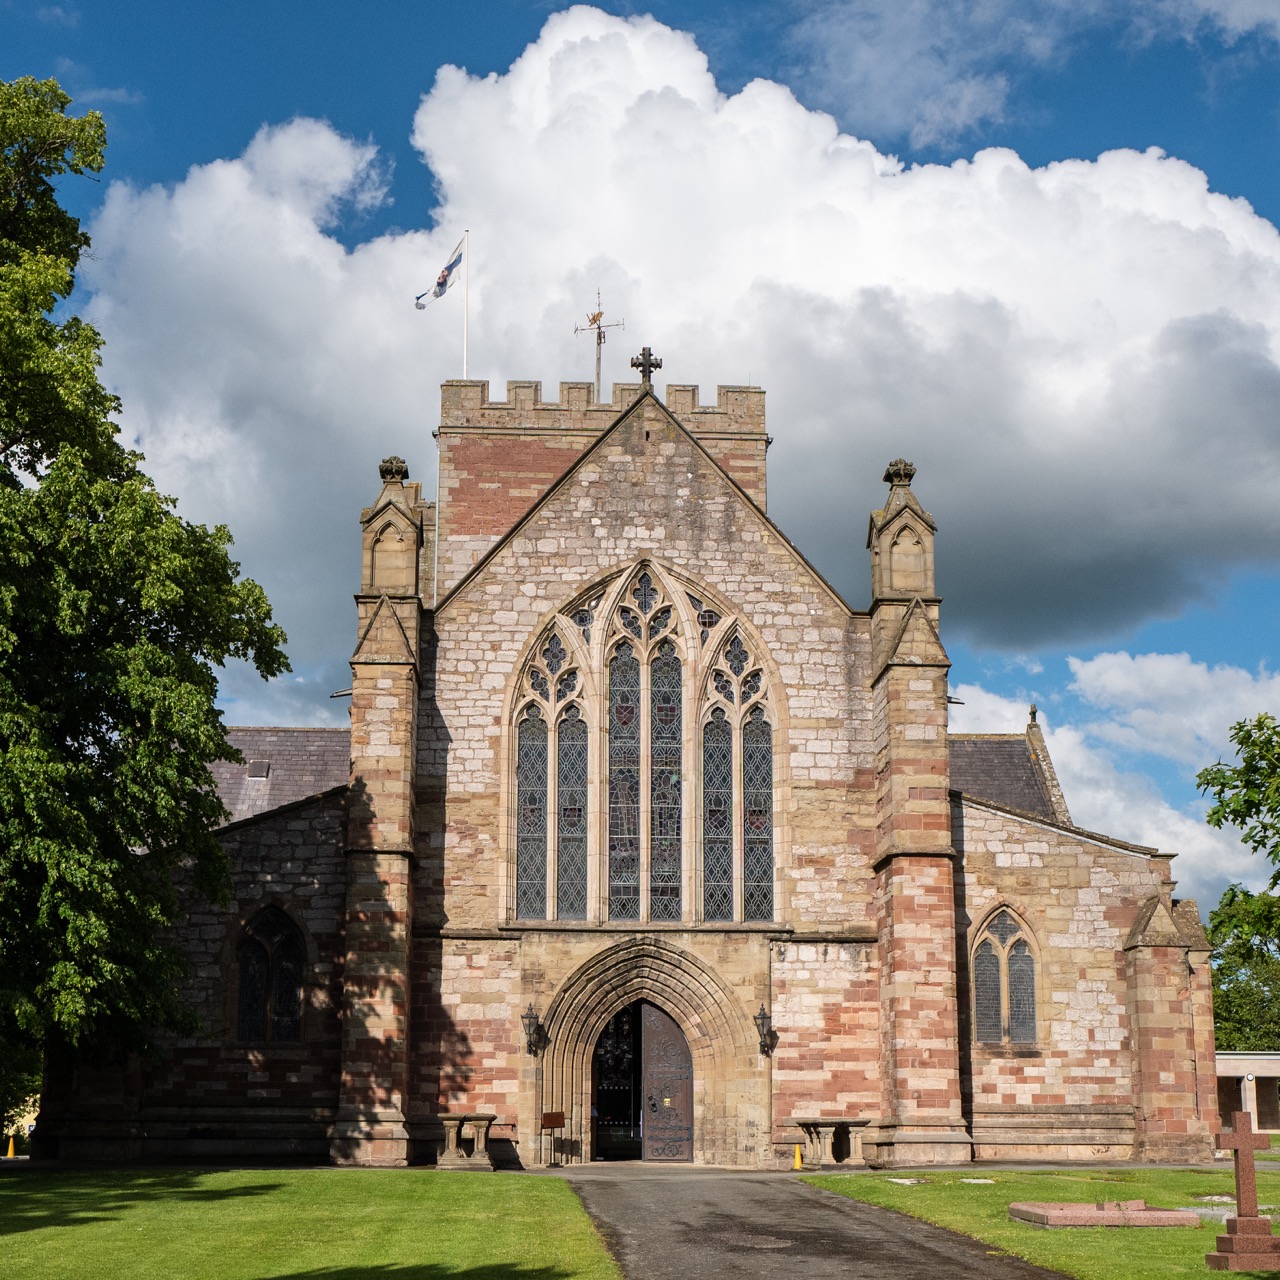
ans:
(642, 1087)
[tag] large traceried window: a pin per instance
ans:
(643, 763)
(1004, 983)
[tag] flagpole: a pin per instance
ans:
(466, 294)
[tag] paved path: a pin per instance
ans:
(667, 1224)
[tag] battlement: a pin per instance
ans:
(498, 457)
(466, 404)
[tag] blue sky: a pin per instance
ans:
(1083, 360)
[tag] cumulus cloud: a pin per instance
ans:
(935, 71)
(1079, 358)
(1105, 796)
(1167, 705)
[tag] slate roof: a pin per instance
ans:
(281, 766)
(999, 768)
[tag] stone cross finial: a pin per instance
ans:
(646, 362)
(393, 468)
(899, 472)
(1243, 1142)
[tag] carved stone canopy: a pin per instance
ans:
(393, 468)
(899, 471)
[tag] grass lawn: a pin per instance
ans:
(295, 1224)
(1088, 1253)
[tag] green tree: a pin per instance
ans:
(115, 615)
(1244, 929)
(1247, 795)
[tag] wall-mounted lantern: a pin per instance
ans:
(764, 1025)
(535, 1035)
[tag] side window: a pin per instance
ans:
(1004, 983)
(271, 963)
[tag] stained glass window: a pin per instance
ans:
(286, 990)
(717, 818)
(571, 823)
(646, 596)
(757, 807)
(1004, 984)
(659, 622)
(1003, 927)
(624, 785)
(272, 967)
(723, 686)
(566, 685)
(737, 656)
(987, 996)
(554, 655)
(531, 817)
(666, 769)
(254, 966)
(1022, 994)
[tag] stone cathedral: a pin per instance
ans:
(644, 844)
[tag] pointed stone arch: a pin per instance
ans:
(731, 1079)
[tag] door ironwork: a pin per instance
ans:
(666, 1087)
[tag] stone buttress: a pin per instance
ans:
(921, 1118)
(370, 1126)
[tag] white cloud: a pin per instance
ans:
(1167, 705)
(1077, 357)
(58, 15)
(934, 71)
(1125, 804)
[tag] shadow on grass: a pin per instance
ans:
(32, 1201)
(429, 1271)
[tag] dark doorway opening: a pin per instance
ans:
(642, 1087)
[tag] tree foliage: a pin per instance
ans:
(1244, 929)
(115, 614)
(1247, 795)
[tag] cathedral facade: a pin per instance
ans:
(643, 844)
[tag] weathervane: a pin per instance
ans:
(595, 323)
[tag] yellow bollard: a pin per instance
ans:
(797, 1163)
(12, 1153)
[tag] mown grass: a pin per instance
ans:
(307, 1224)
(1087, 1253)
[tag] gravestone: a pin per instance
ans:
(1248, 1244)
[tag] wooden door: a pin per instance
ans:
(666, 1088)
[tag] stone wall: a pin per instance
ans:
(1071, 1094)
(209, 1096)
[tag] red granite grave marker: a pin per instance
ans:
(1248, 1244)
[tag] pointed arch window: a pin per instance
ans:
(1004, 983)
(271, 964)
(651, 701)
(737, 773)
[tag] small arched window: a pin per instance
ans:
(1004, 984)
(272, 961)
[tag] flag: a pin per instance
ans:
(444, 281)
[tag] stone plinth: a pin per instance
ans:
(1247, 1246)
(1108, 1213)
(453, 1156)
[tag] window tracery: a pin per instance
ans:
(1004, 983)
(683, 780)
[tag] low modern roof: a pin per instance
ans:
(999, 768)
(281, 767)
